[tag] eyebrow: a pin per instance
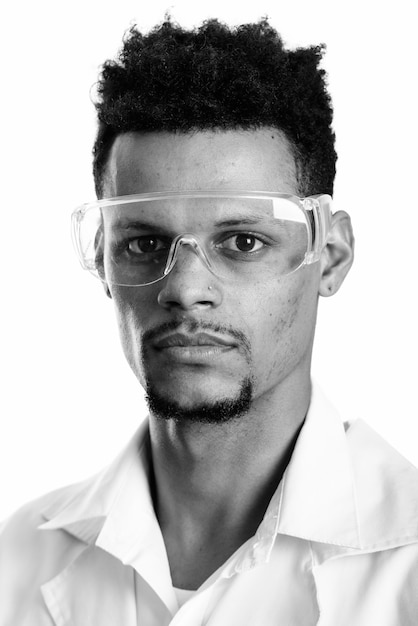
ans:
(125, 225)
(237, 221)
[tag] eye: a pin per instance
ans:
(242, 242)
(147, 245)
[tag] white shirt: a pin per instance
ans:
(338, 545)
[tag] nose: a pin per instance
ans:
(189, 285)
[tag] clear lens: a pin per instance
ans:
(137, 240)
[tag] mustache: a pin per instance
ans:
(194, 326)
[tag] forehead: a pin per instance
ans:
(257, 160)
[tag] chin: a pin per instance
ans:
(202, 411)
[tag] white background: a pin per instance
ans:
(68, 400)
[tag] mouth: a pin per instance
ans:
(193, 348)
(196, 340)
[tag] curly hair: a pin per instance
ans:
(219, 78)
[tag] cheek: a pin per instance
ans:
(132, 306)
(286, 316)
(132, 313)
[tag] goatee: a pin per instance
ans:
(217, 412)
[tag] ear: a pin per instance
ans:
(338, 254)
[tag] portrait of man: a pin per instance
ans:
(244, 498)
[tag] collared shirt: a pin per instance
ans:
(338, 545)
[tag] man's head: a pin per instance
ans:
(220, 110)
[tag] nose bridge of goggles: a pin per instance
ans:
(195, 245)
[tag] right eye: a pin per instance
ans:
(147, 244)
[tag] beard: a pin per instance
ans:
(217, 412)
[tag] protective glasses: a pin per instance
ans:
(136, 240)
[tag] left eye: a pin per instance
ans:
(243, 242)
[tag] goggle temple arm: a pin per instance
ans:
(76, 220)
(320, 208)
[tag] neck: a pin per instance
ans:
(213, 482)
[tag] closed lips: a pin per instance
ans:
(185, 341)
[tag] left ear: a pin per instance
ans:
(338, 254)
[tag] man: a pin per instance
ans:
(243, 499)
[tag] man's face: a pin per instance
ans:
(250, 335)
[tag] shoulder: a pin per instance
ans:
(385, 486)
(379, 575)
(25, 521)
(28, 554)
(66, 514)
(379, 587)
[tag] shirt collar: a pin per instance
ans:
(343, 489)
(83, 509)
(317, 499)
(115, 512)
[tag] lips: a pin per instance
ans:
(184, 340)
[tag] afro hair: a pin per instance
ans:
(219, 78)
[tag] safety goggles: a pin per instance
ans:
(137, 240)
